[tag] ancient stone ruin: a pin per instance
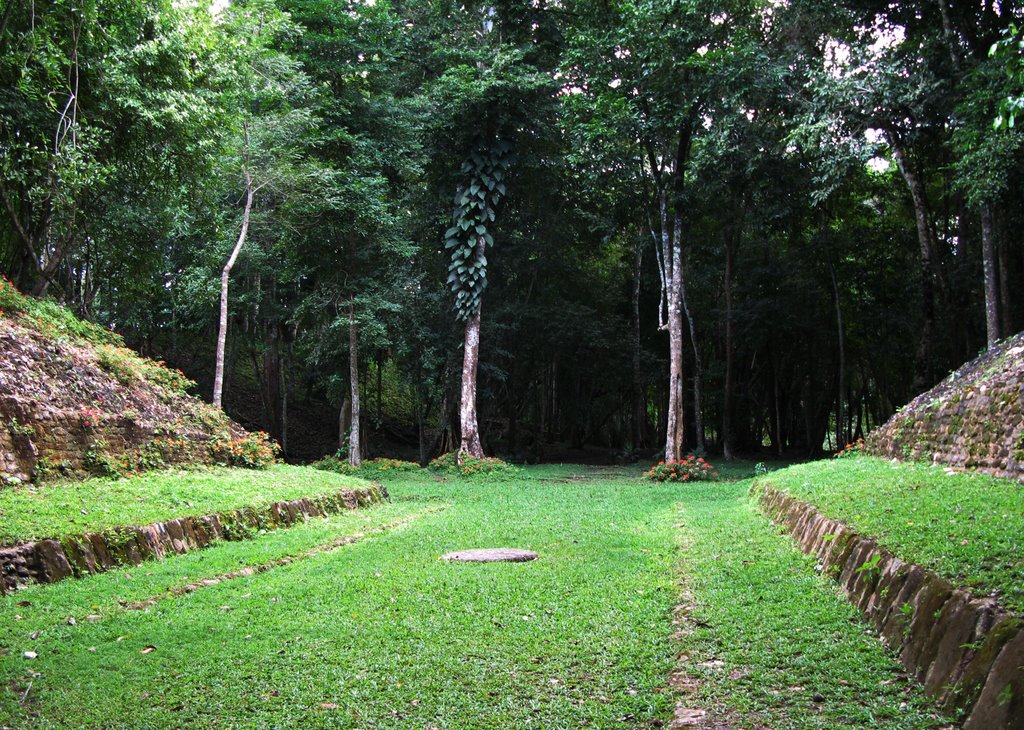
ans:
(973, 420)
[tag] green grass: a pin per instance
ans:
(59, 509)
(769, 634)
(381, 633)
(967, 528)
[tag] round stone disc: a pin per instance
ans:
(491, 555)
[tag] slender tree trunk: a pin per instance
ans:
(676, 421)
(470, 429)
(988, 257)
(728, 438)
(355, 453)
(698, 368)
(222, 331)
(272, 379)
(930, 270)
(639, 420)
(1005, 310)
(343, 422)
(380, 367)
(841, 336)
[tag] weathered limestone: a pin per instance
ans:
(967, 651)
(48, 561)
(491, 555)
(972, 420)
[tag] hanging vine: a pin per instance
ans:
(473, 219)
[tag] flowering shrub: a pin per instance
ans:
(91, 417)
(252, 451)
(471, 466)
(854, 449)
(690, 469)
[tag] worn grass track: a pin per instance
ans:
(381, 634)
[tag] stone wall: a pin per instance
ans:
(38, 442)
(967, 651)
(61, 402)
(48, 561)
(973, 420)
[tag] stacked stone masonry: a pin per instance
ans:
(60, 440)
(967, 651)
(48, 561)
(973, 420)
(61, 408)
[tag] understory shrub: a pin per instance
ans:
(129, 367)
(253, 451)
(370, 468)
(489, 466)
(51, 319)
(690, 469)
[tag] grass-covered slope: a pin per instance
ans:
(380, 633)
(67, 509)
(968, 528)
(75, 401)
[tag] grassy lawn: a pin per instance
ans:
(381, 633)
(58, 509)
(968, 528)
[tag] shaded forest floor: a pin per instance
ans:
(378, 632)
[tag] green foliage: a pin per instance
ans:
(51, 319)
(465, 465)
(255, 450)
(15, 428)
(370, 469)
(129, 368)
(690, 469)
(1009, 51)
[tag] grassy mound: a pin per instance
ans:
(59, 509)
(967, 528)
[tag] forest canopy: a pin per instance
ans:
(657, 225)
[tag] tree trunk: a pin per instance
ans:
(639, 420)
(929, 264)
(380, 367)
(1005, 310)
(698, 370)
(355, 454)
(470, 430)
(272, 379)
(222, 331)
(728, 438)
(675, 426)
(988, 258)
(841, 389)
(343, 422)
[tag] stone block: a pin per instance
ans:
(1001, 703)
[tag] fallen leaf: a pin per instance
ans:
(328, 706)
(148, 650)
(23, 604)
